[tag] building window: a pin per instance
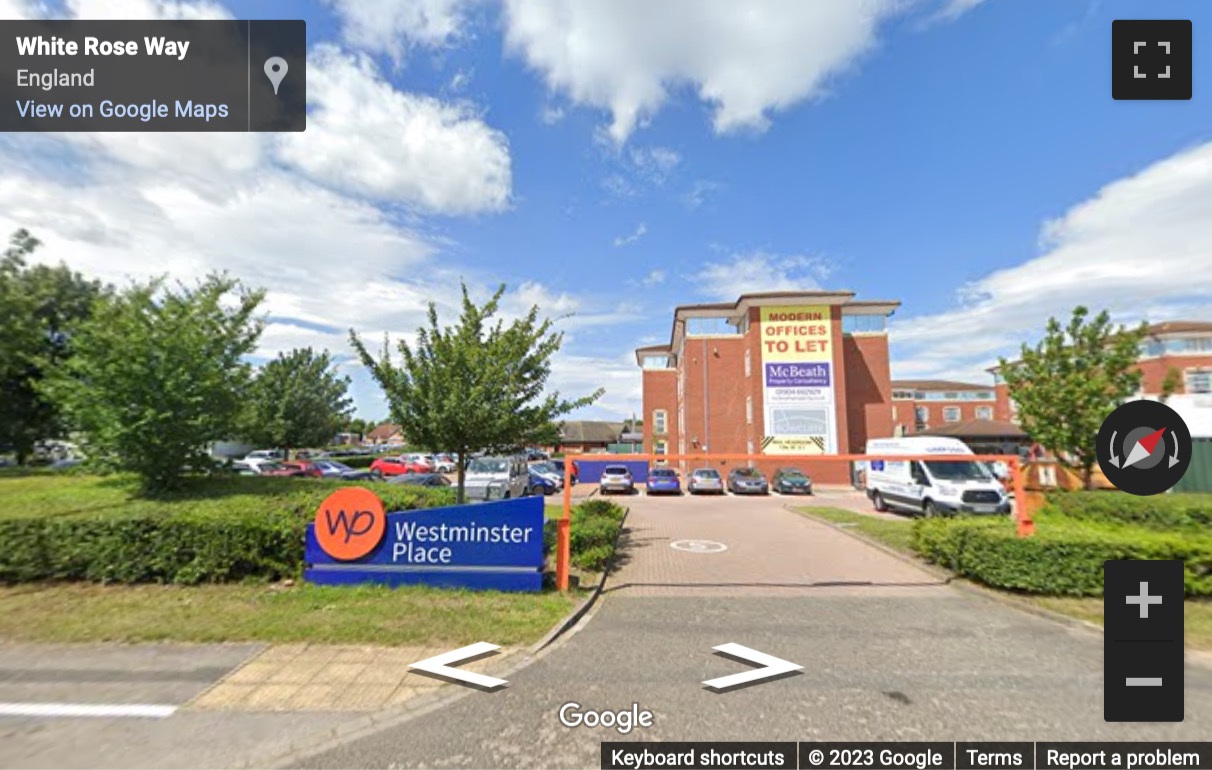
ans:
(709, 326)
(923, 415)
(903, 395)
(863, 324)
(749, 410)
(748, 363)
(951, 414)
(1198, 381)
(660, 447)
(659, 418)
(984, 413)
(658, 362)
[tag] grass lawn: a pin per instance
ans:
(895, 534)
(890, 532)
(83, 612)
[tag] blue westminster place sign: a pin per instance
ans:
(494, 546)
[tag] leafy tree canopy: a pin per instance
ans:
(297, 400)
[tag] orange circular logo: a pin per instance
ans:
(350, 523)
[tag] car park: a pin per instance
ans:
(305, 467)
(747, 481)
(705, 480)
(791, 481)
(558, 465)
(444, 463)
(664, 481)
(278, 469)
(616, 478)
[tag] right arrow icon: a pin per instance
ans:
(772, 667)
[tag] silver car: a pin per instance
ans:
(705, 480)
(616, 478)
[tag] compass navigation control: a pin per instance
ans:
(1144, 447)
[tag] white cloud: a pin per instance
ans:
(365, 137)
(759, 271)
(388, 26)
(746, 60)
(175, 10)
(655, 164)
(636, 234)
(1140, 248)
(700, 192)
(654, 278)
(20, 10)
(551, 114)
(953, 9)
(576, 376)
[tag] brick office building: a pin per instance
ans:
(922, 405)
(775, 373)
(1178, 350)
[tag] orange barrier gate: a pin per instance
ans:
(1025, 524)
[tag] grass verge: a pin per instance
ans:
(83, 612)
(896, 534)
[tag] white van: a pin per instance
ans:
(496, 478)
(931, 488)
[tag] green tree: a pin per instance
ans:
(39, 306)
(158, 374)
(1169, 386)
(1070, 381)
(476, 385)
(297, 400)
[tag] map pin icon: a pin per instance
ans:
(275, 70)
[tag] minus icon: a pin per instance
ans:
(1144, 681)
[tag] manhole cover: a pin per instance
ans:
(698, 546)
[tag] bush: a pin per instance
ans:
(1159, 512)
(211, 533)
(1063, 558)
(594, 534)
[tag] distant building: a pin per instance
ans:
(588, 436)
(921, 405)
(386, 434)
(1180, 350)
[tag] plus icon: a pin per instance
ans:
(1144, 600)
(1151, 59)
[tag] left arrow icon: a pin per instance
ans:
(772, 667)
(440, 666)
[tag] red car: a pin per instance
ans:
(397, 466)
(305, 468)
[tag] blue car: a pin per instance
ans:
(664, 481)
(541, 484)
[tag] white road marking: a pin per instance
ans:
(137, 710)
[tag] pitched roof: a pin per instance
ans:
(590, 432)
(386, 430)
(936, 385)
(1179, 327)
(977, 429)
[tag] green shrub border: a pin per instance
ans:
(1064, 558)
(594, 535)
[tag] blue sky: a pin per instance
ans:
(963, 157)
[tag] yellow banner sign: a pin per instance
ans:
(797, 333)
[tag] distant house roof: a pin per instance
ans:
(935, 385)
(978, 429)
(590, 432)
(384, 431)
(1179, 327)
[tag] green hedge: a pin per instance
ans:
(1160, 512)
(190, 541)
(594, 534)
(1064, 557)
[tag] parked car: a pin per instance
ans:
(616, 478)
(332, 469)
(278, 469)
(549, 471)
(791, 481)
(444, 463)
(559, 468)
(747, 481)
(664, 481)
(496, 478)
(306, 467)
(424, 461)
(535, 454)
(397, 466)
(421, 480)
(543, 483)
(705, 480)
(263, 454)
